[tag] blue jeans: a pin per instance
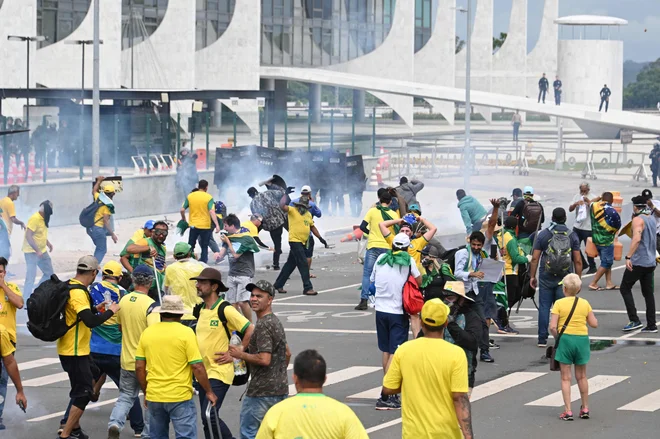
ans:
(253, 412)
(110, 365)
(129, 387)
(32, 262)
(99, 238)
(369, 261)
(220, 389)
(204, 236)
(549, 292)
(182, 414)
(4, 379)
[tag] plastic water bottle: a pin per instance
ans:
(240, 368)
(107, 297)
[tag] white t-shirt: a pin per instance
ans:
(389, 285)
(586, 224)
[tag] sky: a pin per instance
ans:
(642, 15)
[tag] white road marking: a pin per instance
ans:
(46, 379)
(373, 331)
(343, 375)
(297, 296)
(596, 384)
(480, 392)
(506, 382)
(649, 403)
(58, 414)
(324, 305)
(27, 365)
(630, 334)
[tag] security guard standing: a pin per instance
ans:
(557, 86)
(655, 161)
(605, 94)
(543, 88)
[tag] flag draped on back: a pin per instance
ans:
(605, 222)
(243, 242)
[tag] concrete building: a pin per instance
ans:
(218, 44)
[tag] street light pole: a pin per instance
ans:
(82, 44)
(467, 151)
(27, 40)
(96, 93)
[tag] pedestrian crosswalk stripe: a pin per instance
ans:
(596, 384)
(480, 392)
(506, 382)
(27, 365)
(46, 379)
(648, 403)
(342, 375)
(58, 414)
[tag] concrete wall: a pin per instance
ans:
(17, 17)
(142, 196)
(543, 58)
(585, 65)
(510, 61)
(68, 58)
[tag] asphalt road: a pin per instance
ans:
(517, 396)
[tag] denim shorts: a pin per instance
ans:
(606, 255)
(391, 330)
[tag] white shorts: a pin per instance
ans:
(237, 291)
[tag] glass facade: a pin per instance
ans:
(213, 18)
(147, 16)
(423, 22)
(57, 19)
(312, 33)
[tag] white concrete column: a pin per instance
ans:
(358, 105)
(314, 111)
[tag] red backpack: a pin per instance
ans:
(413, 300)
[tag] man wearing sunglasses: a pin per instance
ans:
(152, 253)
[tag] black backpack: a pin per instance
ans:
(45, 309)
(532, 213)
(450, 256)
(239, 380)
(87, 215)
(558, 254)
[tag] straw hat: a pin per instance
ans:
(456, 287)
(172, 304)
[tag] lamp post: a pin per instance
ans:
(27, 40)
(467, 151)
(82, 44)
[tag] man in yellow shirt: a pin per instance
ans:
(430, 372)
(202, 214)
(103, 219)
(131, 260)
(135, 316)
(311, 414)
(254, 226)
(376, 245)
(300, 225)
(10, 367)
(9, 209)
(73, 347)
(216, 320)
(170, 352)
(11, 299)
(177, 279)
(36, 247)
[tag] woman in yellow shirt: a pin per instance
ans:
(573, 348)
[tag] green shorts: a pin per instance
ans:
(573, 349)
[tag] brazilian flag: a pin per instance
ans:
(243, 242)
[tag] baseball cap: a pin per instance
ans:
(529, 190)
(88, 263)
(414, 207)
(431, 250)
(181, 249)
(143, 270)
(213, 275)
(435, 312)
(263, 285)
(306, 189)
(401, 240)
(112, 268)
(646, 193)
(149, 225)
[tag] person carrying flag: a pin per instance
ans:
(239, 244)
